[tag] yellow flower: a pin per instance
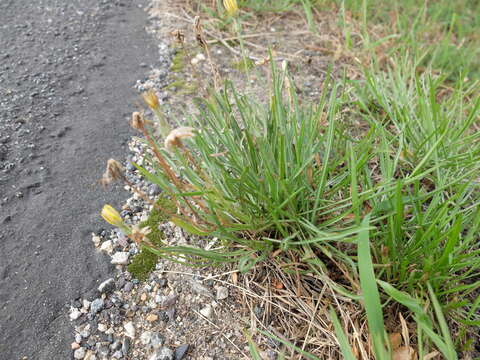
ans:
(151, 99)
(231, 6)
(112, 216)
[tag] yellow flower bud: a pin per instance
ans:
(112, 216)
(231, 6)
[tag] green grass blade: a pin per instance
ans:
(451, 353)
(341, 337)
(371, 296)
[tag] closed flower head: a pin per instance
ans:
(151, 99)
(112, 216)
(231, 6)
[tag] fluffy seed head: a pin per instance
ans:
(115, 169)
(137, 121)
(179, 36)
(111, 215)
(174, 138)
(113, 172)
(139, 234)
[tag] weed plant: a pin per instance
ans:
(302, 178)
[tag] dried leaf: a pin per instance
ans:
(395, 340)
(404, 353)
(277, 284)
(405, 332)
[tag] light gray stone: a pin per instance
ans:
(107, 286)
(162, 354)
(129, 329)
(74, 313)
(120, 258)
(96, 306)
(222, 293)
(146, 337)
(79, 353)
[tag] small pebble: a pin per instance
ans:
(207, 311)
(125, 345)
(107, 286)
(162, 354)
(152, 317)
(107, 246)
(129, 329)
(79, 353)
(128, 286)
(120, 258)
(74, 314)
(222, 293)
(157, 340)
(146, 337)
(96, 240)
(181, 351)
(154, 189)
(96, 306)
(117, 354)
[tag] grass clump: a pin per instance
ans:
(300, 180)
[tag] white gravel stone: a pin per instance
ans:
(107, 246)
(120, 258)
(90, 356)
(74, 313)
(162, 354)
(96, 240)
(207, 311)
(129, 329)
(146, 337)
(79, 353)
(102, 327)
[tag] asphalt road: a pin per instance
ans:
(67, 70)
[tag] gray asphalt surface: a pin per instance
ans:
(67, 68)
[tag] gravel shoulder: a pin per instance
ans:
(67, 70)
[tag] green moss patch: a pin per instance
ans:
(144, 262)
(178, 61)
